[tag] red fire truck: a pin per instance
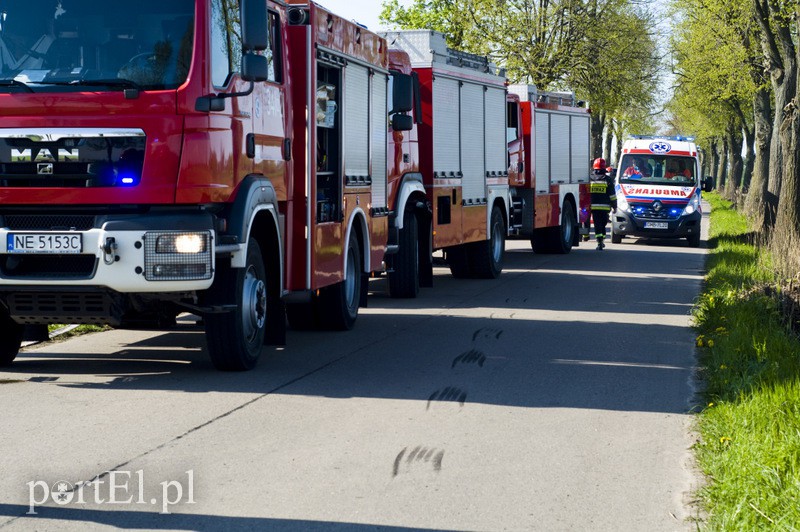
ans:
(459, 200)
(142, 172)
(548, 137)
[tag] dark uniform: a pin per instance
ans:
(603, 197)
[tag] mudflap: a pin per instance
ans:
(275, 333)
(362, 300)
(425, 250)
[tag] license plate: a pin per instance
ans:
(656, 225)
(44, 243)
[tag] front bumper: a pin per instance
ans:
(118, 252)
(626, 224)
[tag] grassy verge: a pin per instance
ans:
(750, 427)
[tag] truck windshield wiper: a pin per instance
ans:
(15, 83)
(111, 82)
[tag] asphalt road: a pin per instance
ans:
(553, 398)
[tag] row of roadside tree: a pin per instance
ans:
(736, 68)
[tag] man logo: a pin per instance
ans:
(44, 168)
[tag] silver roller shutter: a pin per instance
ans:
(379, 135)
(559, 148)
(356, 120)
(580, 148)
(472, 142)
(496, 146)
(446, 146)
(542, 145)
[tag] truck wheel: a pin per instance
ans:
(694, 240)
(616, 238)
(458, 260)
(404, 280)
(10, 340)
(235, 338)
(338, 304)
(559, 239)
(487, 257)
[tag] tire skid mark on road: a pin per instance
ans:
(418, 455)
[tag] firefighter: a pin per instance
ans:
(603, 197)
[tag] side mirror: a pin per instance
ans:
(708, 184)
(255, 38)
(402, 93)
(255, 67)
(255, 29)
(402, 123)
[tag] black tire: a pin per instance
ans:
(557, 240)
(694, 240)
(236, 338)
(458, 261)
(616, 238)
(10, 339)
(404, 280)
(486, 258)
(338, 304)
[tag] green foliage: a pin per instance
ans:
(750, 427)
(555, 44)
(717, 62)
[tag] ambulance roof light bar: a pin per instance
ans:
(677, 138)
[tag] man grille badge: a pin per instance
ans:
(44, 168)
(657, 206)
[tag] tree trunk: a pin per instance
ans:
(597, 124)
(755, 206)
(607, 151)
(786, 236)
(722, 166)
(713, 162)
(618, 147)
(733, 141)
(781, 64)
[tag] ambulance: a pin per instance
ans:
(658, 189)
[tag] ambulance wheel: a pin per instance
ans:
(404, 280)
(10, 340)
(235, 338)
(487, 256)
(694, 240)
(616, 238)
(458, 261)
(338, 304)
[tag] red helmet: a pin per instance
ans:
(599, 164)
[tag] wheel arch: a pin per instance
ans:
(358, 223)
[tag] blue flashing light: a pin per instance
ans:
(674, 212)
(127, 180)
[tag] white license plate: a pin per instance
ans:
(656, 225)
(44, 243)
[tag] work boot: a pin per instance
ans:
(600, 244)
(585, 238)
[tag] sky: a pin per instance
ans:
(363, 11)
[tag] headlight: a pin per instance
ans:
(177, 256)
(181, 243)
(622, 203)
(693, 205)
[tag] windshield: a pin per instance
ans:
(46, 44)
(653, 169)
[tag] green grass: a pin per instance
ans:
(77, 331)
(750, 362)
